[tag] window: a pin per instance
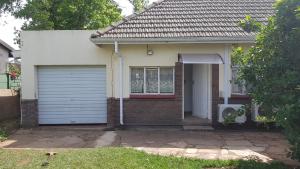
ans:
(137, 80)
(236, 87)
(152, 80)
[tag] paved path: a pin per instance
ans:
(264, 146)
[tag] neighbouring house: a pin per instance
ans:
(5, 53)
(164, 66)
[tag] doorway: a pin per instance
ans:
(197, 93)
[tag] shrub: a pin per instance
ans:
(271, 68)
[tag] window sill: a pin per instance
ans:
(147, 96)
(240, 96)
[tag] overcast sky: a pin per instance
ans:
(8, 23)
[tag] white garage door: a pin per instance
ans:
(72, 95)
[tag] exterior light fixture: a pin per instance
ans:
(149, 51)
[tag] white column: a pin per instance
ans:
(226, 87)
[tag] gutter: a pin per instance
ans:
(117, 52)
(215, 40)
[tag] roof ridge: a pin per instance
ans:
(125, 19)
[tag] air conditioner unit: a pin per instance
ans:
(257, 114)
(227, 109)
(254, 112)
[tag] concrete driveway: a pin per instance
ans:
(263, 146)
(60, 137)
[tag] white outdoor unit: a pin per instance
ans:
(254, 112)
(227, 109)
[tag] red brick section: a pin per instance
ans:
(9, 107)
(215, 93)
(150, 111)
(29, 113)
(237, 100)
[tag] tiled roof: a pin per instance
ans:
(190, 19)
(7, 46)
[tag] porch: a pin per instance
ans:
(200, 90)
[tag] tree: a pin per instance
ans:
(8, 5)
(139, 5)
(271, 68)
(68, 14)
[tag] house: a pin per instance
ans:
(5, 53)
(162, 66)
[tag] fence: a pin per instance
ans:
(9, 109)
(8, 82)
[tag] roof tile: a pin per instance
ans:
(192, 18)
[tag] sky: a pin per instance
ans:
(8, 23)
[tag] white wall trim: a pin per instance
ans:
(227, 78)
(210, 92)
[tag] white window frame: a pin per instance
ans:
(145, 86)
(244, 90)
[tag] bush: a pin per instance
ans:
(271, 68)
(3, 135)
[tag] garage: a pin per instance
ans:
(72, 94)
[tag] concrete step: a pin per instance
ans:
(196, 123)
(198, 128)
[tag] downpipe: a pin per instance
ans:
(117, 52)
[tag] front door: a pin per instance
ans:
(201, 90)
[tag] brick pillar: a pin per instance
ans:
(110, 113)
(178, 80)
(29, 113)
(113, 112)
(178, 88)
(215, 93)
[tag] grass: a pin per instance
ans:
(3, 135)
(116, 158)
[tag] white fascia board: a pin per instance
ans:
(219, 40)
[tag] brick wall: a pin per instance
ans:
(9, 110)
(215, 93)
(149, 111)
(29, 113)
(9, 107)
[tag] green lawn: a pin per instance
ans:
(114, 158)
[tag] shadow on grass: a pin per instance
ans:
(118, 158)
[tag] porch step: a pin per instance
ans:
(198, 128)
(196, 121)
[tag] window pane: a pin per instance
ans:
(166, 80)
(237, 88)
(137, 80)
(152, 80)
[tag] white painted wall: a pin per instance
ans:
(4, 53)
(59, 48)
(164, 55)
(74, 48)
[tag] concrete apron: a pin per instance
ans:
(262, 146)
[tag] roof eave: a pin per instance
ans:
(102, 41)
(7, 46)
